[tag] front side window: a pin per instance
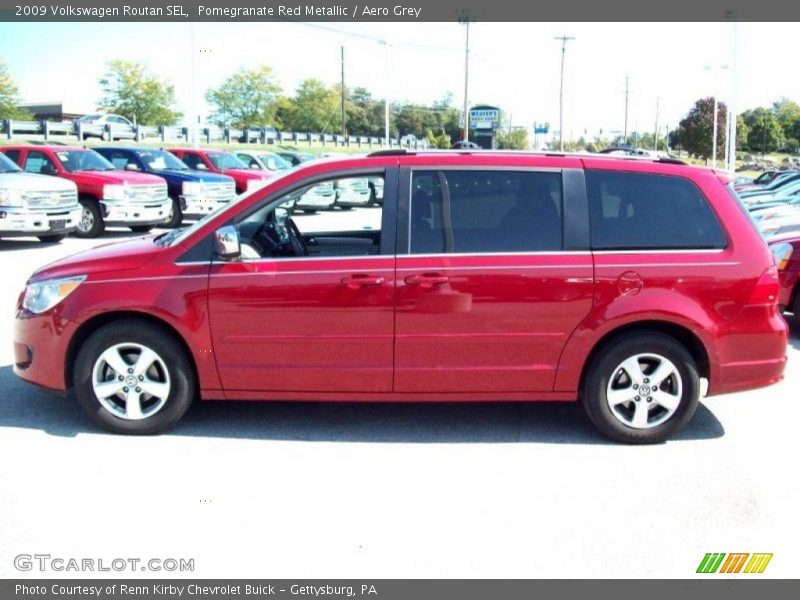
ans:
(334, 217)
(637, 211)
(470, 211)
(193, 161)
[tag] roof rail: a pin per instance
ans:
(390, 152)
(671, 160)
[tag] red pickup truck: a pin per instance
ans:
(219, 161)
(107, 196)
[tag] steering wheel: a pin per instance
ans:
(296, 240)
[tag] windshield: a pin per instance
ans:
(7, 165)
(273, 162)
(176, 236)
(87, 118)
(75, 161)
(160, 160)
(224, 160)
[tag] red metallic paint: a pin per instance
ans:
(504, 327)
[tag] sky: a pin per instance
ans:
(512, 65)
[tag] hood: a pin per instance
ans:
(192, 175)
(119, 177)
(29, 182)
(249, 174)
(116, 257)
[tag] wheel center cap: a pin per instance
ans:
(644, 390)
(130, 380)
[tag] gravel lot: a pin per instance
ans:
(323, 490)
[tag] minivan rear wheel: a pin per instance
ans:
(641, 388)
(133, 377)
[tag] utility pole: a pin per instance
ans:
(465, 137)
(564, 39)
(731, 138)
(655, 133)
(625, 130)
(344, 130)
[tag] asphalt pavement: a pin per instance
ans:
(302, 490)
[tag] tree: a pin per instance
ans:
(440, 139)
(315, 107)
(9, 96)
(514, 139)
(765, 131)
(788, 114)
(131, 91)
(697, 129)
(247, 98)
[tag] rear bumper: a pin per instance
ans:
(750, 351)
(21, 222)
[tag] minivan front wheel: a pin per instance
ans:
(641, 388)
(132, 377)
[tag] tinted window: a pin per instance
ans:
(193, 160)
(485, 211)
(39, 163)
(13, 155)
(639, 211)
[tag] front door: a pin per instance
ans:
(322, 322)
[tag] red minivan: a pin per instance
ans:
(632, 285)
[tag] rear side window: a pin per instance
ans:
(637, 211)
(465, 211)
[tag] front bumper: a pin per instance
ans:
(116, 212)
(40, 348)
(22, 221)
(194, 205)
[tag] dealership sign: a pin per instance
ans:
(484, 117)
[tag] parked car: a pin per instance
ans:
(779, 226)
(310, 199)
(265, 161)
(786, 250)
(34, 205)
(784, 185)
(352, 192)
(107, 197)
(295, 158)
(106, 127)
(465, 145)
(192, 193)
(786, 209)
(498, 276)
(759, 182)
(225, 163)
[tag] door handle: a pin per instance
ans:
(362, 280)
(427, 280)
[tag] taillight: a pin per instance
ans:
(782, 253)
(767, 288)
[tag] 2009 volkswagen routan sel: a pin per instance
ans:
(631, 285)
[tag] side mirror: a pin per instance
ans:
(226, 243)
(131, 167)
(48, 169)
(201, 167)
(254, 166)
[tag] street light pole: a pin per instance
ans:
(465, 136)
(564, 39)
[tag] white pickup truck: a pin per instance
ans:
(36, 205)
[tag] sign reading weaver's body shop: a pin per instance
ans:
(484, 117)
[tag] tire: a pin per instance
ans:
(607, 383)
(52, 239)
(168, 373)
(91, 223)
(140, 228)
(175, 214)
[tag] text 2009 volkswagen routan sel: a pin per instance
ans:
(630, 285)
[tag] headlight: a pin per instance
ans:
(41, 296)
(782, 254)
(192, 188)
(113, 192)
(10, 197)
